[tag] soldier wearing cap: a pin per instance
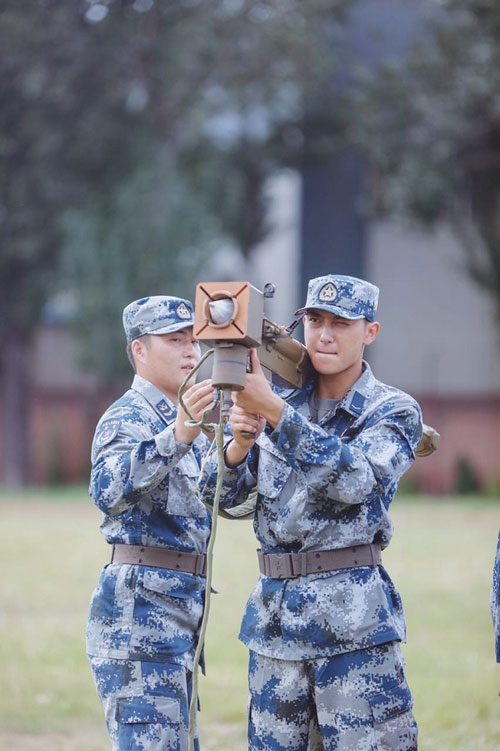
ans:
(324, 622)
(147, 607)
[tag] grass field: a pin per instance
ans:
(441, 560)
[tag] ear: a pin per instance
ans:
(371, 332)
(138, 349)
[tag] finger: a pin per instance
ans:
(202, 387)
(245, 424)
(254, 359)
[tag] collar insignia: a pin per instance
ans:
(165, 409)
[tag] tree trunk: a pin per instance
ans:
(14, 405)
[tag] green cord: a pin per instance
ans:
(192, 423)
(219, 438)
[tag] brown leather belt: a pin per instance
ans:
(191, 563)
(291, 565)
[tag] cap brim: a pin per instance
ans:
(341, 312)
(173, 327)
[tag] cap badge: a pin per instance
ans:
(182, 311)
(328, 292)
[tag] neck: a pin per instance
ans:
(337, 385)
(172, 394)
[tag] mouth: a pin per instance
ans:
(187, 367)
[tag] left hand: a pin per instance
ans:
(257, 397)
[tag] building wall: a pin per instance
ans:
(438, 333)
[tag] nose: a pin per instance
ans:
(191, 348)
(326, 334)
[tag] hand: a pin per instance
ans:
(197, 399)
(242, 424)
(258, 398)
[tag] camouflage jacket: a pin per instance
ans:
(145, 484)
(345, 473)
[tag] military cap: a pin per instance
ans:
(345, 296)
(159, 314)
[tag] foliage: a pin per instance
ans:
(431, 125)
(120, 120)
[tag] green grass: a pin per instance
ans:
(441, 559)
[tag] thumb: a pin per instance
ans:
(255, 362)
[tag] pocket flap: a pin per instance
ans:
(147, 709)
(172, 583)
(391, 703)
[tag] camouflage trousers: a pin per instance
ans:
(358, 701)
(146, 704)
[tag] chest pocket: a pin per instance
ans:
(273, 469)
(182, 489)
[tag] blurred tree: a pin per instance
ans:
(120, 120)
(431, 125)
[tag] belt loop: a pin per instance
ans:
(376, 557)
(200, 565)
(112, 554)
(303, 564)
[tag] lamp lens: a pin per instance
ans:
(222, 311)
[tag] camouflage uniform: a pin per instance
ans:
(143, 620)
(324, 647)
(495, 600)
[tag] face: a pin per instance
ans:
(335, 345)
(166, 359)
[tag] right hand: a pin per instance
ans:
(246, 428)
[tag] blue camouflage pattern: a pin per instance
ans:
(145, 484)
(348, 702)
(345, 296)
(344, 473)
(158, 314)
(146, 703)
(495, 599)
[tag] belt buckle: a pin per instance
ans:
(281, 566)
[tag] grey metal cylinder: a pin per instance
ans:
(230, 366)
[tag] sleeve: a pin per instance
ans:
(237, 482)
(349, 472)
(129, 460)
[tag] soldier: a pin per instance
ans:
(324, 622)
(147, 607)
